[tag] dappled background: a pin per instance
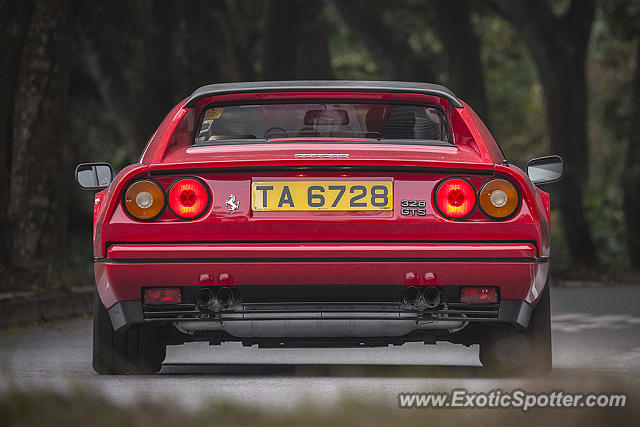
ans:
(90, 81)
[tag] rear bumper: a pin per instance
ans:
(292, 323)
(513, 267)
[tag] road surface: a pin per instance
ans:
(596, 345)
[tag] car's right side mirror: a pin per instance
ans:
(545, 170)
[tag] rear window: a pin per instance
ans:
(413, 124)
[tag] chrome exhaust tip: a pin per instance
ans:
(411, 296)
(205, 298)
(225, 297)
(431, 296)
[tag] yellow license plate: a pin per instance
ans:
(322, 195)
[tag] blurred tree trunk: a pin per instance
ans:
(313, 59)
(240, 35)
(558, 45)
(14, 23)
(107, 53)
(158, 80)
(393, 55)
(295, 41)
(280, 42)
(113, 91)
(238, 62)
(462, 50)
(141, 69)
(37, 204)
(631, 174)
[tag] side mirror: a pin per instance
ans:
(94, 176)
(545, 170)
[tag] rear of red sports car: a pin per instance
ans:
(285, 214)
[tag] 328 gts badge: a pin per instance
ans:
(413, 207)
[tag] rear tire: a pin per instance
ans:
(138, 349)
(507, 350)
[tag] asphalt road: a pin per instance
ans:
(596, 345)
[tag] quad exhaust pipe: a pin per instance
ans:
(225, 297)
(431, 296)
(207, 300)
(428, 297)
(412, 297)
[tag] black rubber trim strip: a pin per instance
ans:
(108, 244)
(125, 313)
(309, 259)
(319, 140)
(515, 312)
(287, 318)
(322, 168)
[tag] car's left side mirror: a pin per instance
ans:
(545, 170)
(94, 176)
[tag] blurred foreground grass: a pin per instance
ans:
(81, 408)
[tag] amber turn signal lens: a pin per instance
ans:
(499, 198)
(144, 200)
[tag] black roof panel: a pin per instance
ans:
(321, 86)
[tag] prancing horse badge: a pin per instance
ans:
(232, 203)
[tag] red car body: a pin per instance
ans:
(322, 257)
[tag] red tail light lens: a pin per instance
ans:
(455, 198)
(478, 295)
(158, 296)
(189, 198)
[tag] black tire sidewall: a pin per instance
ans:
(507, 350)
(139, 349)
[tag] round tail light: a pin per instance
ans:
(499, 199)
(455, 198)
(189, 198)
(144, 200)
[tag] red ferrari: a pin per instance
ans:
(321, 213)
